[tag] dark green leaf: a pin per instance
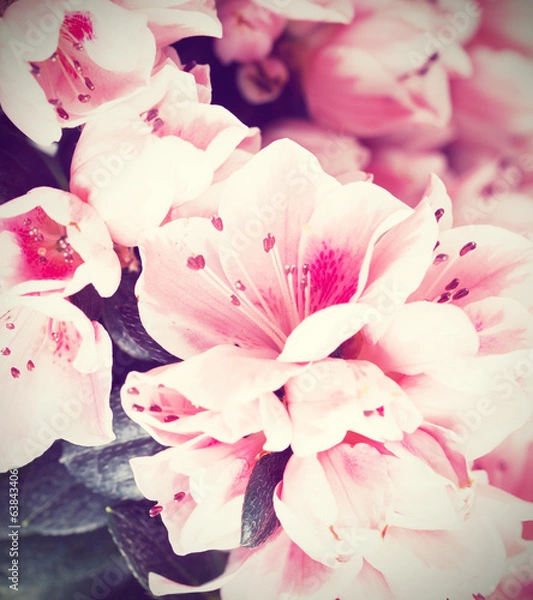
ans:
(259, 520)
(106, 469)
(143, 541)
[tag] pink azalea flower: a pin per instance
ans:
(56, 370)
(174, 20)
(435, 356)
(379, 74)
(52, 241)
(398, 540)
(341, 156)
(60, 66)
(184, 145)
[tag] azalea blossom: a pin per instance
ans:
(369, 304)
(52, 241)
(184, 145)
(390, 543)
(56, 364)
(63, 61)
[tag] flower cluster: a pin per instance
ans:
(344, 279)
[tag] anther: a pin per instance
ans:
(5, 351)
(444, 297)
(78, 46)
(15, 373)
(155, 408)
(440, 258)
(152, 114)
(461, 293)
(10, 325)
(196, 262)
(35, 69)
(269, 242)
(77, 66)
(234, 300)
(467, 248)
(89, 84)
(452, 285)
(179, 496)
(62, 113)
(138, 407)
(157, 124)
(217, 223)
(84, 98)
(155, 510)
(30, 365)
(439, 213)
(170, 418)
(240, 286)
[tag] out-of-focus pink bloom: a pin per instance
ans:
(496, 192)
(493, 109)
(59, 66)
(505, 25)
(174, 20)
(262, 81)
(341, 156)
(381, 73)
(325, 11)
(249, 31)
(404, 172)
(52, 241)
(56, 373)
(155, 152)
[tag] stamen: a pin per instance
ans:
(10, 325)
(84, 98)
(234, 300)
(138, 407)
(452, 285)
(467, 248)
(461, 294)
(444, 297)
(151, 114)
(90, 85)
(30, 365)
(269, 242)
(288, 299)
(440, 258)
(15, 373)
(5, 351)
(179, 496)
(155, 408)
(170, 418)
(217, 223)
(155, 510)
(196, 263)
(157, 124)
(439, 213)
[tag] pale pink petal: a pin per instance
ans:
(503, 325)
(420, 336)
(174, 20)
(204, 316)
(334, 396)
(329, 11)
